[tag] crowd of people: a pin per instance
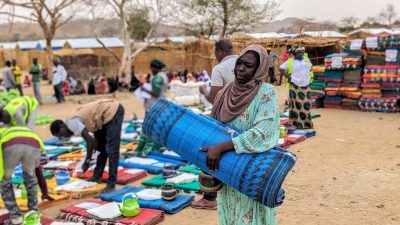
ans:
(238, 91)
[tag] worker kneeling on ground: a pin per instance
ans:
(19, 145)
(20, 111)
(104, 119)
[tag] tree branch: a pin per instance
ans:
(17, 16)
(107, 48)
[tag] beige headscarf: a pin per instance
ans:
(232, 100)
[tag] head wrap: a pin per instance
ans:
(299, 48)
(232, 100)
(155, 63)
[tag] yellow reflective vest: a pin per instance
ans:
(290, 68)
(29, 103)
(9, 133)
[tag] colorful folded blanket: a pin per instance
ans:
(170, 207)
(167, 121)
(158, 181)
(75, 213)
(190, 169)
(155, 168)
(124, 176)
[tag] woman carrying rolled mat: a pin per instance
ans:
(250, 105)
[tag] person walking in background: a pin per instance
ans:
(8, 77)
(19, 145)
(59, 76)
(17, 75)
(36, 76)
(159, 84)
(298, 71)
(222, 74)
(271, 67)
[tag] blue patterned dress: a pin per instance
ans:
(260, 123)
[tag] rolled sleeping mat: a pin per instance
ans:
(259, 176)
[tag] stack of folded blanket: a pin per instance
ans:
(352, 76)
(334, 76)
(376, 58)
(333, 102)
(380, 104)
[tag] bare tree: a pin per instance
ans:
(157, 11)
(301, 24)
(348, 24)
(389, 14)
(50, 15)
(230, 16)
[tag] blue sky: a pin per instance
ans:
(334, 10)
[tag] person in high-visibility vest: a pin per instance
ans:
(20, 111)
(19, 145)
(18, 76)
(298, 71)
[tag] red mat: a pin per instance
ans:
(294, 138)
(122, 178)
(73, 213)
(43, 220)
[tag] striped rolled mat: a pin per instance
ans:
(259, 176)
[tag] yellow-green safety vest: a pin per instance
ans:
(8, 133)
(30, 105)
(290, 68)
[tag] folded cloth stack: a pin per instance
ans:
(371, 93)
(376, 58)
(352, 76)
(352, 62)
(334, 76)
(79, 212)
(317, 89)
(380, 104)
(350, 104)
(387, 73)
(333, 102)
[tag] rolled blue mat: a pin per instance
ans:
(259, 176)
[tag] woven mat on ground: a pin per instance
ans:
(158, 181)
(124, 176)
(23, 203)
(177, 128)
(190, 169)
(294, 138)
(170, 207)
(161, 158)
(74, 213)
(52, 184)
(165, 155)
(306, 133)
(153, 169)
(19, 180)
(71, 156)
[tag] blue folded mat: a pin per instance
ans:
(149, 168)
(166, 160)
(171, 207)
(306, 133)
(54, 141)
(160, 154)
(259, 176)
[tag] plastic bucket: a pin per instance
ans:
(62, 177)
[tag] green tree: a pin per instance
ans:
(228, 16)
(139, 24)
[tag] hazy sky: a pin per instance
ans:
(334, 10)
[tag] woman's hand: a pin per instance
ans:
(215, 152)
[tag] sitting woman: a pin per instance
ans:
(27, 81)
(102, 86)
(251, 106)
(79, 88)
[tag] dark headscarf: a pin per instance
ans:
(232, 100)
(155, 63)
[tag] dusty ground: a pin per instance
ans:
(348, 174)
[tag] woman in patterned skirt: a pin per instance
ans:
(250, 105)
(298, 71)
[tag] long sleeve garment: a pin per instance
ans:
(259, 123)
(59, 75)
(8, 77)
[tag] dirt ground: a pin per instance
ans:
(348, 174)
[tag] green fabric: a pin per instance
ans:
(20, 180)
(156, 84)
(190, 169)
(35, 76)
(260, 123)
(158, 181)
(146, 145)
